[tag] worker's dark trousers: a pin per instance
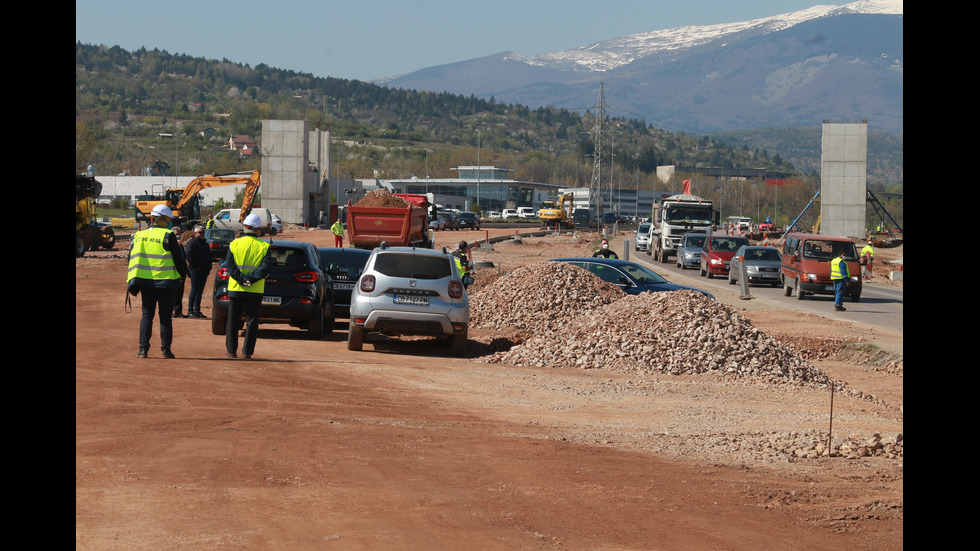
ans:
(155, 298)
(250, 303)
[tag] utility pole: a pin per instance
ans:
(595, 186)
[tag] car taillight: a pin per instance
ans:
(307, 277)
(455, 289)
(214, 245)
(222, 273)
(367, 284)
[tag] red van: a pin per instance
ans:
(806, 265)
(717, 253)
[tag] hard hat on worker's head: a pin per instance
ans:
(162, 210)
(253, 221)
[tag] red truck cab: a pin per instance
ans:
(717, 253)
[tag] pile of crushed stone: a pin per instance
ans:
(583, 322)
(539, 297)
(382, 198)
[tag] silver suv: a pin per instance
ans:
(410, 291)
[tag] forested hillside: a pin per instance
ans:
(125, 101)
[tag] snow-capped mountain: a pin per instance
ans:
(799, 68)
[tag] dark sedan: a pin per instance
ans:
(297, 291)
(631, 277)
(345, 267)
(218, 240)
(469, 220)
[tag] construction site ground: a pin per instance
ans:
(404, 446)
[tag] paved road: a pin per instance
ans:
(879, 306)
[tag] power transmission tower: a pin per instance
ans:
(595, 187)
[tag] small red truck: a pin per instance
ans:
(400, 219)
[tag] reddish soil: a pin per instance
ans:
(403, 446)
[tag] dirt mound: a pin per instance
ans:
(381, 198)
(540, 297)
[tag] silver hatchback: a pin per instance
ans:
(689, 250)
(410, 291)
(761, 265)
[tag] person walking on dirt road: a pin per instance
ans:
(156, 267)
(247, 265)
(338, 233)
(198, 255)
(867, 258)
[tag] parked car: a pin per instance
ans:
(494, 214)
(689, 250)
(643, 236)
(277, 225)
(717, 252)
(410, 291)
(436, 222)
(508, 213)
(761, 265)
(631, 277)
(452, 223)
(806, 265)
(608, 218)
(470, 220)
(218, 240)
(527, 212)
(297, 291)
(344, 265)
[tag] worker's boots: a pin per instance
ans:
(167, 354)
(141, 353)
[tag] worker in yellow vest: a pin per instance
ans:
(867, 257)
(247, 265)
(156, 269)
(839, 276)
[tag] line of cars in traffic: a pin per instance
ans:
(802, 265)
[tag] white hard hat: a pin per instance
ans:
(253, 220)
(162, 210)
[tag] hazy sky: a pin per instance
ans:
(371, 39)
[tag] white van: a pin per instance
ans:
(508, 213)
(229, 219)
(526, 212)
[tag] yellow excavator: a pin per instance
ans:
(552, 213)
(185, 202)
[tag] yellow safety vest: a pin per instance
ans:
(248, 253)
(463, 270)
(835, 269)
(148, 259)
(337, 228)
(868, 250)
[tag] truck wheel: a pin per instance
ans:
(79, 245)
(664, 257)
(799, 291)
(355, 337)
(787, 290)
(108, 238)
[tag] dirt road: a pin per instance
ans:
(403, 446)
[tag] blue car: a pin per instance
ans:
(631, 277)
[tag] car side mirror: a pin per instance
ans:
(624, 282)
(467, 280)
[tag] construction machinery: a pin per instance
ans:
(554, 213)
(185, 202)
(89, 234)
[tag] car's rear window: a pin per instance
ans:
(222, 234)
(291, 258)
(767, 253)
(416, 266)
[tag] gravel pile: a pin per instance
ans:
(681, 332)
(539, 297)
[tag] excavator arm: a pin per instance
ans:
(252, 182)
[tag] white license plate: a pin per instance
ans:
(271, 300)
(344, 286)
(412, 299)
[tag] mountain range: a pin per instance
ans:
(840, 63)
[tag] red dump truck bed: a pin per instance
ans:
(368, 226)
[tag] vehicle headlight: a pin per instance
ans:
(716, 261)
(812, 278)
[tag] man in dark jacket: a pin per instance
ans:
(198, 255)
(604, 251)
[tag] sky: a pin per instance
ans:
(372, 39)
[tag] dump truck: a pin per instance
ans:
(399, 219)
(673, 217)
(560, 213)
(185, 202)
(89, 234)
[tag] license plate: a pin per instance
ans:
(412, 299)
(271, 300)
(344, 286)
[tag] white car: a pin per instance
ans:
(410, 291)
(643, 236)
(277, 226)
